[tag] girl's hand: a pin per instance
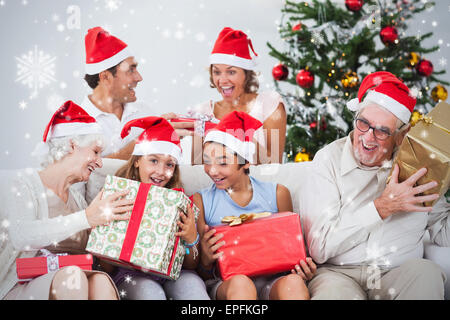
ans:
(103, 211)
(188, 230)
(307, 270)
(209, 244)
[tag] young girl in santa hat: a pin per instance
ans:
(155, 160)
(227, 156)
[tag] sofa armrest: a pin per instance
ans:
(440, 256)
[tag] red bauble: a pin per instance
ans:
(354, 5)
(280, 72)
(323, 125)
(297, 27)
(424, 68)
(304, 78)
(388, 35)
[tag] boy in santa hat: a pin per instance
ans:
(366, 231)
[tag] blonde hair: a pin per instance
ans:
(130, 171)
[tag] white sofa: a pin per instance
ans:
(293, 175)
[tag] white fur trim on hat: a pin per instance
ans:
(353, 105)
(94, 68)
(158, 147)
(232, 60)
(74, 129)
(243, 148)
(398, 109)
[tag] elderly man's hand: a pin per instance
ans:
(403, 197)
(181, 128)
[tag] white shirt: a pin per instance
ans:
(343, 226)
(112, 126)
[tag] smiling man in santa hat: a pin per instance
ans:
(368, 232)
(111, 71)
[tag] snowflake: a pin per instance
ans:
(128, 279)
(22, 105)
(123, 293)
(112, 5)
(443, 62)
(35, 69)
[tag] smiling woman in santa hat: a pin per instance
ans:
(232, 75)
(44, 212)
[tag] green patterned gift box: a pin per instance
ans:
(147, 241)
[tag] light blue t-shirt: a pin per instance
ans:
(217, 203)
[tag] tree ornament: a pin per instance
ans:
(415, 117)
(389, 35)
(413, 60)
(439, 93)
(350, 80)
(297, 27)
(305, 78)
(302, 156)
(424, 68)
(354, 5)
(280, 72)
(313, 125)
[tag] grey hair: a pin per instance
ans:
(400, 125)
(60, 147)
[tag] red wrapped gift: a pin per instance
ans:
(29, 268)
(261, 246)
(208, 124)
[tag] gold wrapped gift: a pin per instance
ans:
(427, 145)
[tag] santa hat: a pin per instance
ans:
(158, 137)
(232, 48)
(70, 119)
(388, 91)
(103, 50)
(235, 131)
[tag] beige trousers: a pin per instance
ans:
(417, 279)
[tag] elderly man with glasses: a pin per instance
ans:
(367, 233)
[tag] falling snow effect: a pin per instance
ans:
(35, 70)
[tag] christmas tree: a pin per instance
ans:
(323, 64)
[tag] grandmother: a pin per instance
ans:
(40, 210)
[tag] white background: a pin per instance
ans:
(171, 40)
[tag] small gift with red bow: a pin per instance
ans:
(202, 122)
(29, 268)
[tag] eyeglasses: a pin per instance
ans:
(364, 126)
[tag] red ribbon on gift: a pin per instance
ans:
(134, 222)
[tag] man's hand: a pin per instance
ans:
(180, 127)
(403, 197)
